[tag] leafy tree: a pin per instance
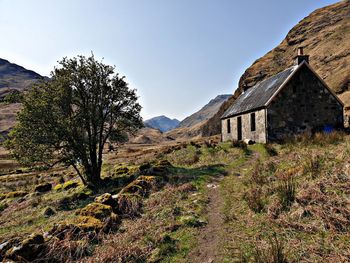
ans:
(14, 96)
(70, 118)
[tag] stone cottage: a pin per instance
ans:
(293, 101)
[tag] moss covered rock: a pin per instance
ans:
(107, 199)
(58, 187)
(14, 194)
(27, 250)
(88, 223)
(70, 185)
(48, 211)
(42, 188)
(96, 210)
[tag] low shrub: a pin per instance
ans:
(255, 199)
(313, 165)
(258, 175)
(271, 151)
(129, 205)
(274, 253)
(286, 192)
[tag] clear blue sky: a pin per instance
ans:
(178, 54)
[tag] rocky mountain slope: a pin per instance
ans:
(192, 126)
(162, 123)
(206, 112)
(325, 35)
(15, 77)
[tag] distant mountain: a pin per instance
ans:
(162, 123)
(204, 113)
(15, 77)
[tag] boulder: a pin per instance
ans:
(107, 199)
(42, 188)
(70, 185)
(28, 249)
(96, 210)
(48, 211)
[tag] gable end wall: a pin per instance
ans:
(304, 104)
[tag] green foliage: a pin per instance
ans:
(14, 96)
(70, 118)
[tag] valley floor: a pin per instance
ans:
(198, 202)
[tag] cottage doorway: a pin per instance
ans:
(239, 128)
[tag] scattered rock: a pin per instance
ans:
(28, 249)
(96, 210)
(15, 194)
(70, 185)
(192, 221)
(48, 211)
(248, 142)
(212, 186)
(42, 188)
(107, 199)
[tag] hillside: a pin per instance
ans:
(162, 123)
(204, 113)
(323, 34)
(15, 77)
(185, 203)
(192, 125)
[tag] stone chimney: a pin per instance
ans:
(301, 57)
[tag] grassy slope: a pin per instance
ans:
(313, 227)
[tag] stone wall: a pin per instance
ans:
(304, 104)
(259, 135)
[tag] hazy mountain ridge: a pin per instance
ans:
(323, 34)
(15, 77)
(162, 123)
(205, 112)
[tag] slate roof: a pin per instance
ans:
(257, 96)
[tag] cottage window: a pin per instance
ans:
(252, 122)
(228, 126)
